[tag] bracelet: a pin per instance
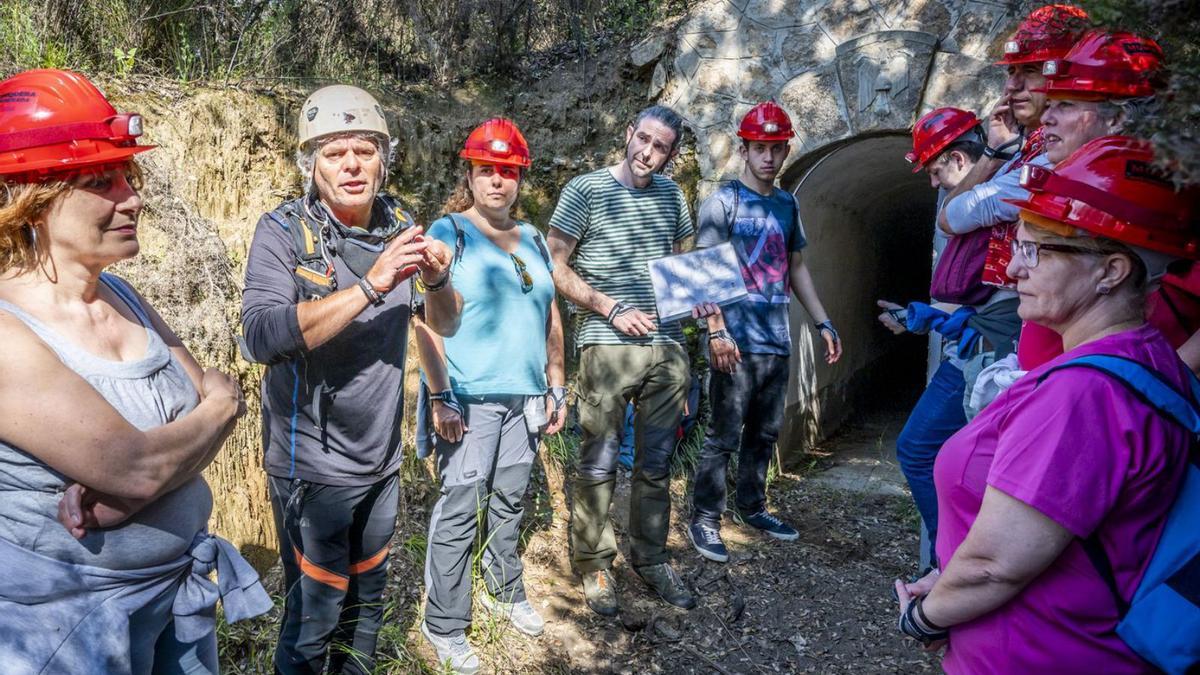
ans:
(618, 310)
(720, 334)
(374, 296)
(432, 288)
(914, 624)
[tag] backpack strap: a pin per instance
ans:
(737, 192)
(1147, 384)
(460, 238)
(1152, 388)
(314, 274)
(539, 242)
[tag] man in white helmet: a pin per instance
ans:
(328, 297)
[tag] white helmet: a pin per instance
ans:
(340, 108)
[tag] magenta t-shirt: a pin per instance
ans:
(1085, 452)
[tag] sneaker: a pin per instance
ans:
(770, 525)
(663, 579)
(600, 593)
(707, 541)
(453, 651)
(521, 614)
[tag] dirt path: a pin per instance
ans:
(821, 604)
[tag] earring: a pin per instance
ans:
(1103, 289)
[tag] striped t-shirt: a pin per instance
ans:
(619, 231)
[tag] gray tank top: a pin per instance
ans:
(148, 392)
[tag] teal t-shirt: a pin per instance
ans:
(500, 346)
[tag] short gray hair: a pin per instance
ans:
(306, 155)
(1126, 113)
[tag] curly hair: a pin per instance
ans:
(461, 199)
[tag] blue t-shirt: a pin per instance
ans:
(765, 232)
(500, 346)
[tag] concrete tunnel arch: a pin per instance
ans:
(869, 223)
(854, 76)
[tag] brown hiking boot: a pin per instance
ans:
(600, 592)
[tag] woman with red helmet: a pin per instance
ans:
(1067, 454)
(108, 420)
(1105, 83)
(496, 384)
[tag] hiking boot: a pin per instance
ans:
(600, 592)
(453, 651)
(707, 541)
(663, 579)
(770, 525)
(521, 614)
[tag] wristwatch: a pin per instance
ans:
(448, 399)
(559, 396)
(828, 326)
(1002, 153)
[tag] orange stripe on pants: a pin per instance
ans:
(318, 573)
(370, 563)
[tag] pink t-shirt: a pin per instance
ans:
(1037, 345)
(1086, 453)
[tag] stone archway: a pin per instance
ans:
(854, 74)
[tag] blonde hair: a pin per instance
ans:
(24, 202)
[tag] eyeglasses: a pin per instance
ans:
(1030, 250)
(526, 279)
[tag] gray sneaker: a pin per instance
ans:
(600, 593)
(453, 651)
(666, 582)
(521, 614)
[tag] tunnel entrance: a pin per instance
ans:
(869, 223)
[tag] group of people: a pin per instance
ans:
(1067, 304)
(117, 534)
(333, 280)
(1060, 237)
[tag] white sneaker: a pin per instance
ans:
(522, 615)
(453, 651)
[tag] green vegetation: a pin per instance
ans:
(1175, 24)
(376, 41)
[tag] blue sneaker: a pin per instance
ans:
(707, 541)
(770, 525)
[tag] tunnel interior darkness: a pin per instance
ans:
(869, 223)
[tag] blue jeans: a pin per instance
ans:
(937, 416)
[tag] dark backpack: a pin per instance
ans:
(1161, 623)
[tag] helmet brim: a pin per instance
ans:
(112, 155)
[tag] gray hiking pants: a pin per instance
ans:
(483, 477)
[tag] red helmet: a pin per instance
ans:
(1111, 187)
(766, 122)
(1047, 33)
(497, 141)
(55, 120)
(935, 130)
(1105, 65)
